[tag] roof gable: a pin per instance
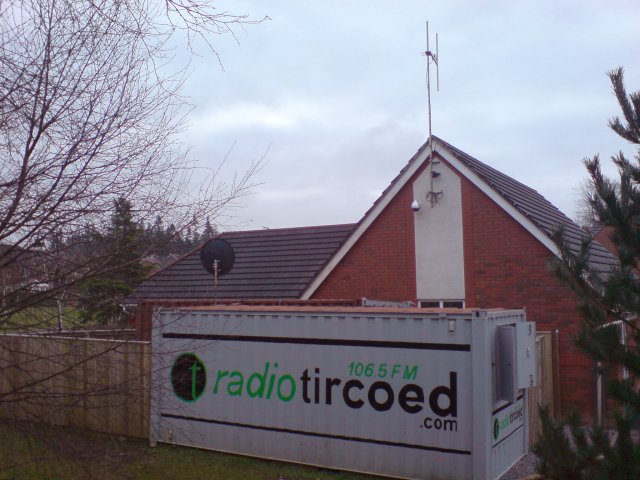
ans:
(525, 205)
(545, 216)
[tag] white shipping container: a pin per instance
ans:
(410, 393)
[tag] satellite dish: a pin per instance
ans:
(217, 256)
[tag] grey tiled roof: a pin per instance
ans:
(537, 209)
(269, 264)
(281, 263)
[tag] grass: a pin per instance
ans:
(44, 318)
(28, 452)
(38, 318)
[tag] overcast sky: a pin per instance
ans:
(336, 92)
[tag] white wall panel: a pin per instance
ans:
(438, 237)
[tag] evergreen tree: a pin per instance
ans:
(101, 295)
(209, 231)
(566, 449)
(195, 229)
(158, 229)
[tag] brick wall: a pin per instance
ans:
(505, 266)
(381, 265)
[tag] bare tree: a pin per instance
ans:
(91, 111)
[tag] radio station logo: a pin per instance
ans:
(188, 377)
(381, 389)
(509, 421)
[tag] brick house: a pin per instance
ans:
(449, 231)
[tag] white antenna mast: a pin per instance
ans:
(432, 195)
(431, 57)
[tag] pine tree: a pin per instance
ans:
(195, 229)
(209, 231)
(123, 243)
(568, 450)
(158, 228)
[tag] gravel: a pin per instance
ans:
(525, 467)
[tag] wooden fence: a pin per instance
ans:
(93, 384)
(104, 385)
(543, 394)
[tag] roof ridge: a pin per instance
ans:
(493, 169)
(286, 229)
(493, 184)
(530, 203)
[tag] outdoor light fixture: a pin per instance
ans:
(415, 205)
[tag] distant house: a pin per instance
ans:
(449, 231)
(157, 262)
(603, 234)
(20, 271)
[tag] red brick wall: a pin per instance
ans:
(381, 265)
(505, 266)
(604, 238)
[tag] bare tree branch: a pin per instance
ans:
(90, 111)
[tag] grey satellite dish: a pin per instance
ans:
(217, 256)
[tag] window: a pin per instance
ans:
(429, 304)
(441, 303)
(453, 304)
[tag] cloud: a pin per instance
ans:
(244, 115)
(287, 116)
(336, 93)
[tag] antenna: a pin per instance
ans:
(432, 195)
(217, 257)
(431, 57)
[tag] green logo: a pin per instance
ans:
(188, 377)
